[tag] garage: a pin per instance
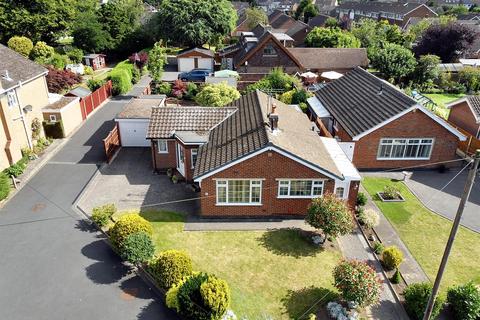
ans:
(195, 58)
(133, 120)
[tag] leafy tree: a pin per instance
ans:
(217, 95)
(465, 301)
(42, 50)
(156, 60)
(393, 61)
(470, 78)
(426, 72)
(39, 20)
(331, 22)
(22, 45)
(358, 282)
(331, 38)
(276, 80)
(255, 16)
(60, 80)
(446, 41)
(331, 215)
(140, 59)
(195, 22)
(303, 6)
(89, 34)
(75, 55)
(310, 11)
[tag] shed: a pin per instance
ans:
(64, 109)
(95, 60)
(194, 58)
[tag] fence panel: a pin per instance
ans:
(112, 143)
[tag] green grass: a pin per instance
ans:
(441, 99)
(425, 234)
(276, 273)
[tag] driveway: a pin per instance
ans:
(54, 266)
(130, 183)
(427, 184)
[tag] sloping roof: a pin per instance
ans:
(375, 6)
(330, 58)
(203, 51)
(318, 21)
(240, 6)
(472, 101)
(19, 68)
(80, 92)
(282, 22)
(60, 104)
(247, 131)
(296, 27)
(138, 108)
(359, 101)
(165, 121)
(274, 15)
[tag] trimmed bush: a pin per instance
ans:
(392, 257)
(76, 55)
(416, 299)
(164, 88)
(217, 95)
(4, 186)
(464, 301)
(42, 50)
(170, 267)
(361, 199)
(203, 297)
(357, 282)
(93, 84)
(137, 248)
(396, 278)
(369, 218)
(87, 70)
(378, 247)
(22, 45)
(121, 81)
(127, 225)
(101, 215)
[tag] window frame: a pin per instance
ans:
(193, 151)
(275, 54)
(53, 118)
(343, 192)
(405, 145)
(166, 146)
(224, 183)
(315, 184)
(12, 100)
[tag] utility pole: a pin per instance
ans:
(453, 233)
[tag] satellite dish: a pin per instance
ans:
(28, 108)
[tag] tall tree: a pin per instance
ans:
(90, 35)
(331, 38)
(195, 22)
(446, 41)
(309, 12)
(394, 62)
(255, 16)
(156, 60)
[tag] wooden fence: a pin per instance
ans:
(470, 145)
(112, 143)
(96, 98)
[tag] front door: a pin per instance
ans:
(180, 159)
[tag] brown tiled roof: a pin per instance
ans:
(203, 51)
(59, 104)
(19, 68)
(165, 121)
(330, 58)
(247, 131)
(138, 108)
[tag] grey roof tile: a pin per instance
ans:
(474, 102)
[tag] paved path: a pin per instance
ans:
(54, 266)
(354, 246)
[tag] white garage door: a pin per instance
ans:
(205, 63)
(185, 64)
(133, 133)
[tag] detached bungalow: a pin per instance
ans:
(255, 157)
(465, 113)
(380, 127)
(195, 58)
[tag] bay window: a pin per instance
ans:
(395, 149)
(300, 188)
(239, 192)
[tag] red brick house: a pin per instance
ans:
(261, 159)
(465, 113)
(379, 127)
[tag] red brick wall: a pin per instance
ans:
(269, 166)
(461, 115)
(422, 12)
(415, 124)
(258, 60)
(188, 160)
(163, 161)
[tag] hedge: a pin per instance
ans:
(170, 267)
(121, 81)
(127, 225)
(101, 215)
(464, 301)
(53, 129)
(137, 248)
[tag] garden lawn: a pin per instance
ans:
(425, 234)
(441, 99)
(273, 273)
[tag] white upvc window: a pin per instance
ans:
(340, 192)
(12, 99)
(405, 149)
(194, 155)
(239, 192)
(300, 188)
(162, 146)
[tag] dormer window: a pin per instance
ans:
(269, 50)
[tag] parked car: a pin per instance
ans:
(194, 75)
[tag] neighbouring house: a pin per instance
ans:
(23, 94)
(295, 29)
(264, 159)
(240, 8)
(134, 118)
(465, 113)
(318, 21)
(339, 60)
(326, 6)
(380, 127)
(95, 60)
(65, 110)
(194, 58)
(394, 12)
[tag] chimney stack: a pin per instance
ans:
(273, 117)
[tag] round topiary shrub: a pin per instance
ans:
(127, 225)
(171, 267)
(464, 301)
(203, 297)
(416, 299)
(358, 282)
(369, 218)
(392, 257)
(137, 247)
(22, 45)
